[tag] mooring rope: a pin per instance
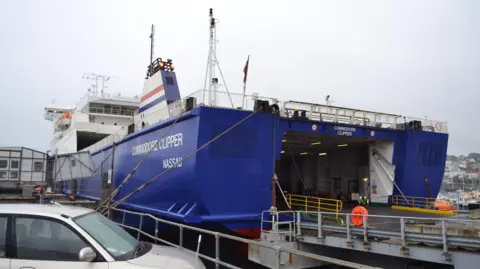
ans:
(182, 160)
(127, 178)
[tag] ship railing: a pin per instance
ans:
(229, 100)
(319, 112)
(223, 100)
(279, 223)
(174, 109)
(423, 203)
(178, 107)
(444, 233)
(360, 117)
(237, 100)
(343, 115)
(314, 204)
(280, 252)
(112, 111)
(431, 125)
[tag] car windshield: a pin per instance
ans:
(107, 233)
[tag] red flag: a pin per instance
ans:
(245, 70)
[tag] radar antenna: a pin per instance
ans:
(211, 81)
(97, 78)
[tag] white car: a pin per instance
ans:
(42, 236)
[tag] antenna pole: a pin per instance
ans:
(212, 87)
(152, 41)
(212, 64)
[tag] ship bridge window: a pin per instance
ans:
(3, 163)
(13, 175)
(37, 166)
(3, 175)
(14, 164)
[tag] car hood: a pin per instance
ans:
(168, 258)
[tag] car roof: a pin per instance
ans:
(44, 209)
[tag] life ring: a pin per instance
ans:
(438, 126)
(357, 215)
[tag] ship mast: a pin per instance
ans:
(212, 63)
(211, 81)
(152, 41)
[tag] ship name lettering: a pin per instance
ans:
(345, 131)
(145, 147)
(170, 141)
(172, 162)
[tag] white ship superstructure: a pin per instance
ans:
(96, 116)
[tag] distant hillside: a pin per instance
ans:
(452, 158)
(474, 155)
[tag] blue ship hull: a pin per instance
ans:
(229, 183)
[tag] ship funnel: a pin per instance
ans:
(160, 87)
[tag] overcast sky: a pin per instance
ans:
(415, 58)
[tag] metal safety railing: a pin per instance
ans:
(112, 111)
(423, 203)
(216, 260)
(435, 232)
(320, 112)
(310, 204)
(413, 201)
(278, 220)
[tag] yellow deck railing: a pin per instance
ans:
(423, 204)
(413, 201)
(314, 204)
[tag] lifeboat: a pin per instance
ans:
(64, 121)
(443, 205)
(66, 115)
